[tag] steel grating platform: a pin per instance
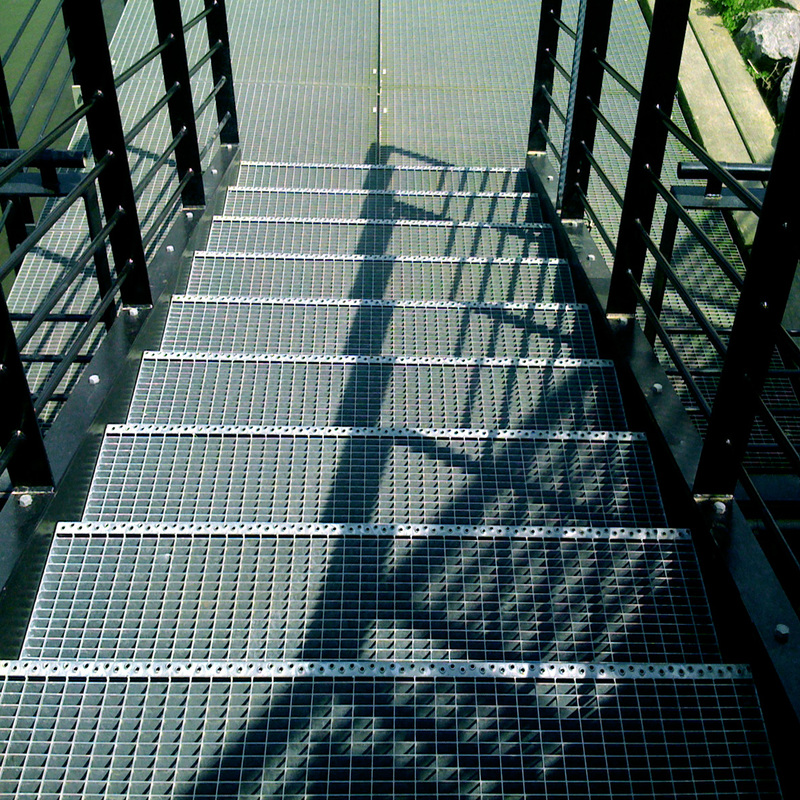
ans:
(379, 327)
(382, 277)
(394, 730)
(383, 391)
(249, 592)
(151, 473)
(375, 524)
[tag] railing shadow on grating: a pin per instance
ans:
(731, 495)
(126, 212)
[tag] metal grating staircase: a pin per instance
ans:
(375, 526)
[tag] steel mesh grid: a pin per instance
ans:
(299, 596)
(369, 737)
(482, 280)
(373, 328)
(340, 475)
(419, 41)
(379, 237)
(375, 392)
(506, 209)
(489, 127)
(444, 178)
(286, 122)
(300, 46)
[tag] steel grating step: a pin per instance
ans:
(505, 208)
(379, 327)
(382, 278)
(315, 592)
(247, 389)
(151, 473)
(375, 237)
(362, 730)
(445, 178)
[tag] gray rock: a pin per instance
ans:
(770, 36)
(783, 95)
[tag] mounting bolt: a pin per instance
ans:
(214, 171)
(551, 177)
(720, 508)
(189, 215)
(133, 312)
(25, 500)
(592, 257)
(781, 633)
(170, 248)
(657, 388)
(94, 379)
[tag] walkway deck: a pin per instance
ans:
(375, 524)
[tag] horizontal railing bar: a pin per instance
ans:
(29, 155)
(139, 64)
(168, 208)
(205, 59)
(57, 292)
(151, 114)
(680, 366)
(60, 317)
(612, 190)
(549, 140)
(210, 98)
(615, 135)
(770, 522)
(564, 27)
(709, 246)
(70, 159)
(214, 134)
(197, 18)
(719, 172)
(21, 30)
(33, 102)
(35, 52)
(7, 212)
(58, 211)
(552, 103)
(162, 159)
(692, 170)
(70, 356)
(562, 70)
(619, 78)
(52, 358)
(688, 300)
(601, 229)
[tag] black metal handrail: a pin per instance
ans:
(114, 237)
(753, 347)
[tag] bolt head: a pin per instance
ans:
(94, 379)
(657, 388)
(781, 633)
(26, 500)
(720, 508)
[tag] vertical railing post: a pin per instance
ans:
(546, 50)
(21, 214)
(659, 86)
(28, 465)
(175, 66)
(765, 293)
(87, 38)
(587, 85)
(222, 70)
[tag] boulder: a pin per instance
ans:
(770, 36)
(783, 95)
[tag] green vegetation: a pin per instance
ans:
(734, 12)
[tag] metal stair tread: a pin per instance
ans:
(366, 475)
(282, 592)
(379, 327)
